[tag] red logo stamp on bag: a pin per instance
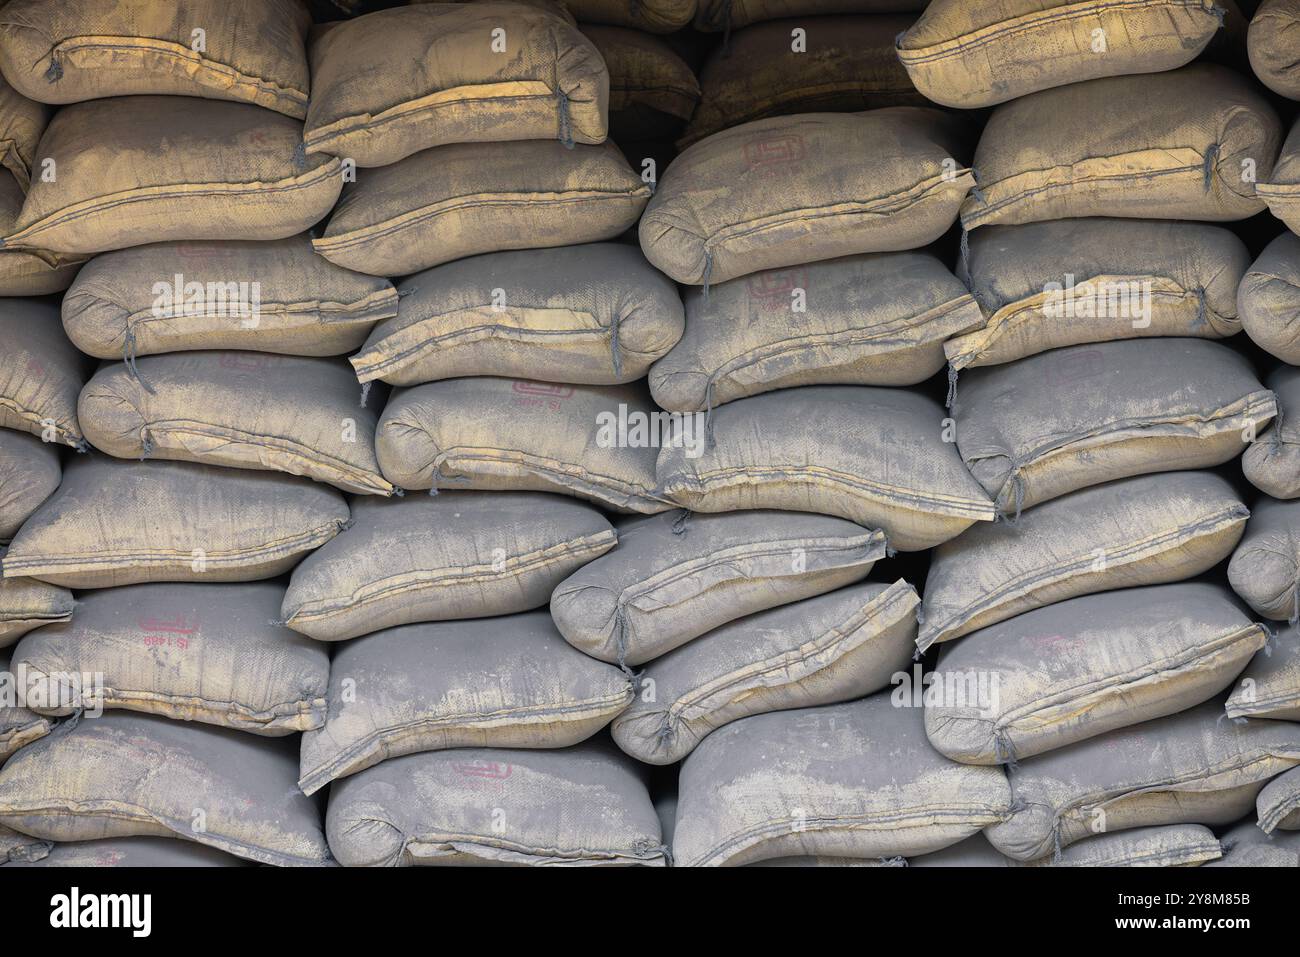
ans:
(775, 150)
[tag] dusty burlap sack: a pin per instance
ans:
(652, 91)
(19, 725)
(24, 272)
(145, 169)
(1080, 668)
(721, 15)
(674, 577)
(1177, 845)
(1268, 300)
(469, 198)
(118, 523)
(29, 474)
(1070, 281)
(595, 442)
(1270, 685)
(22, 121)
(276, 296)
(798, 189)
(129, 775)
(242, 410)
(1063, 420)
(508, 682)
(454, 555)
(1280, 187)
(841, 64)
(1246, 845)
(1140, 531)
(973, 53)
(26, 603)
(42, 373)
(653, 16)
(585, 805)
(1265, 568)
(251, 51)
(1278, 804)
(135, 852)
(1174, 145)
(852, 780)
(1270, 43)
(874, 456)
(19, 849)
(550, 314)
(449, 76)
(876, 319)
(1272, 463)
(821, 650)
(1187, 768)
(186, 651)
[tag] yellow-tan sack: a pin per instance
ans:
(798, 189)
(118, 523)
(973, 53)
(652, 16)
(275, 296)
(251, 51)
(1071, 281)
(468, 198)
(397, 81)
(1187, 144)
(652, 91)
(29, 474)
(1268, 299)
(1062, 420)
(1265, 568)
(1280, 187)
(144, 169)
(1139, 531)
(874, 319)
(1270, 43)
(1270, 685)
(1082, 667)
(19, 725)
(1278, 804)
(22, 121)
(42, 373)
(723, 15)
(595, 442)
(243, 410)
(508, 682)
(1272, 463)
(23, 272)
(842, 64)
(594, 314)
(449, 556)
(851, 780)
(26, 603)
(874, 456)
(125, 775)
(188, 651)
(1193, 767)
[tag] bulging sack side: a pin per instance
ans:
(652, 90)
(1270, 45)
(1272, 462)
(653, 16)
(1265, 568)
(42, 374)
(26, 603)
(1270, 685)
(1268, 299)
(29, 474)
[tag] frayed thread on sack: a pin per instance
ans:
(128, 359)
(566, 122)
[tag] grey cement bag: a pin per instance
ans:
(187, 651)
(508, 682)
(1186, 768)
(1265, 568)
(29, 474)
(548, 314)
(1082, 667)
(799, 189)
(1281, 189)
(28, 272)
(42, 373)
(242, 410)
(1247, 846)
(275, 296)
(1272, 463)
(876, 319)
(973, 53)
(595, 442)
(455, 555)
(1140, 531)
(1177, 845)
(1268, 300)
(1070, 281)
(854, 780)
(1271, 46)
(19, 725)
(652, 90)
(674, 577)
(653, 16)
(117, 523)
(818, 651)
(469, 198)
(16, 849)
(874, 456)
(1270, 685)
(26, 603)
(1129, 146)
(1278, 804)
(719, 15)
(135, 852)
(1079, 416)
(129, 775)
(581, 806)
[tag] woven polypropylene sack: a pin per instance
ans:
(19, 725)
(22, 121)
(721, 15)
(1265, 568)
(1247, 846)
(1272, 463)
(653, 16)
(42, 374)
(1270, 44)
(1174, 845)
(135, 852)
(26, 603)
(23, 272)
(29, 474)
(1270, 685)
(1268, 300)
(652, 91)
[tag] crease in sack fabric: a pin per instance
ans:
(26, 603)
(652, 90)
(1265, 567)
(453, 73)
(249, 51)
(1278, 804)
(1268, 299)
(1128, 146)
(792, 190)
(1272, 462)
(144, 169)
(28, 272)
(22, 121)
(29, 474)
(42, 375)
(974, 53)
(1270, 685)
(19, 726)
(1270, 46)
(242, 410)
(1280, 189)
